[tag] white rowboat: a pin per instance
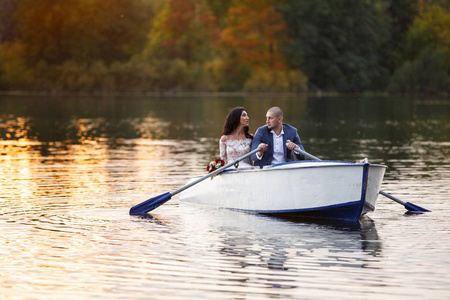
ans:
(325, 189)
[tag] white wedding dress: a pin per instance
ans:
(231, 150)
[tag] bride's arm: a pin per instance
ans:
(223, 148)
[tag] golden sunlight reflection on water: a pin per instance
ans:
(66, 231)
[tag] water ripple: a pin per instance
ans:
(66, 231)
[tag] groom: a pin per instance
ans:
(272, 139)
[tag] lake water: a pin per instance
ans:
(71, 167)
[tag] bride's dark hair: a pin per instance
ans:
(232, 121)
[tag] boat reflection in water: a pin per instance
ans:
(300, 247)
(251, 240)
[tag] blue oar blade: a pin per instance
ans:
(150, 204)
(412, 207)
(408, 205)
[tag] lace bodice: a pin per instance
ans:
(231, 150)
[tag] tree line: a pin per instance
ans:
(342, 46)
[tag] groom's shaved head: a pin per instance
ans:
(276, 111)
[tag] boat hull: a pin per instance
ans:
(324, 189)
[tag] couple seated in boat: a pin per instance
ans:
(277, 140)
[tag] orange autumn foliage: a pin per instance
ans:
(254, 31)
(187, 27)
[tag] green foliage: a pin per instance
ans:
(428, 73)
(14, 73)
(269, 80)
(172, 74)
(182, 29)
(233, 76)
(181, 45)
(56, 31)
(431, 28)
(400, 14)
(220, 9)
(428, 47)
(219, 45)
(336, 43)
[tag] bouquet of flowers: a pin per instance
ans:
(215, 164)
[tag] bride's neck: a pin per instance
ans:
(238, 133)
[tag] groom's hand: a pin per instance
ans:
(263, 148)
(290, 145)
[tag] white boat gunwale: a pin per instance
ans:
(300, 164)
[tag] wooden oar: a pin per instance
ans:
(154, 202)
(409, 206)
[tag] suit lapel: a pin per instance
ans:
(269, 139)
(284, 142)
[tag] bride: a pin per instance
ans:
(236, 140)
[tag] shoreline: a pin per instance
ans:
(163, 94)
(172, 94)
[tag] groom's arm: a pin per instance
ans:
(257, 139)
(298, 142)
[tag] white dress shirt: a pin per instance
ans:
(278, 148)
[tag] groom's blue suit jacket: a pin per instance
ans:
(263, 135)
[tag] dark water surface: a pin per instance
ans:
(72, 167)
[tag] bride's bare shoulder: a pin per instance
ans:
(223, 138)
